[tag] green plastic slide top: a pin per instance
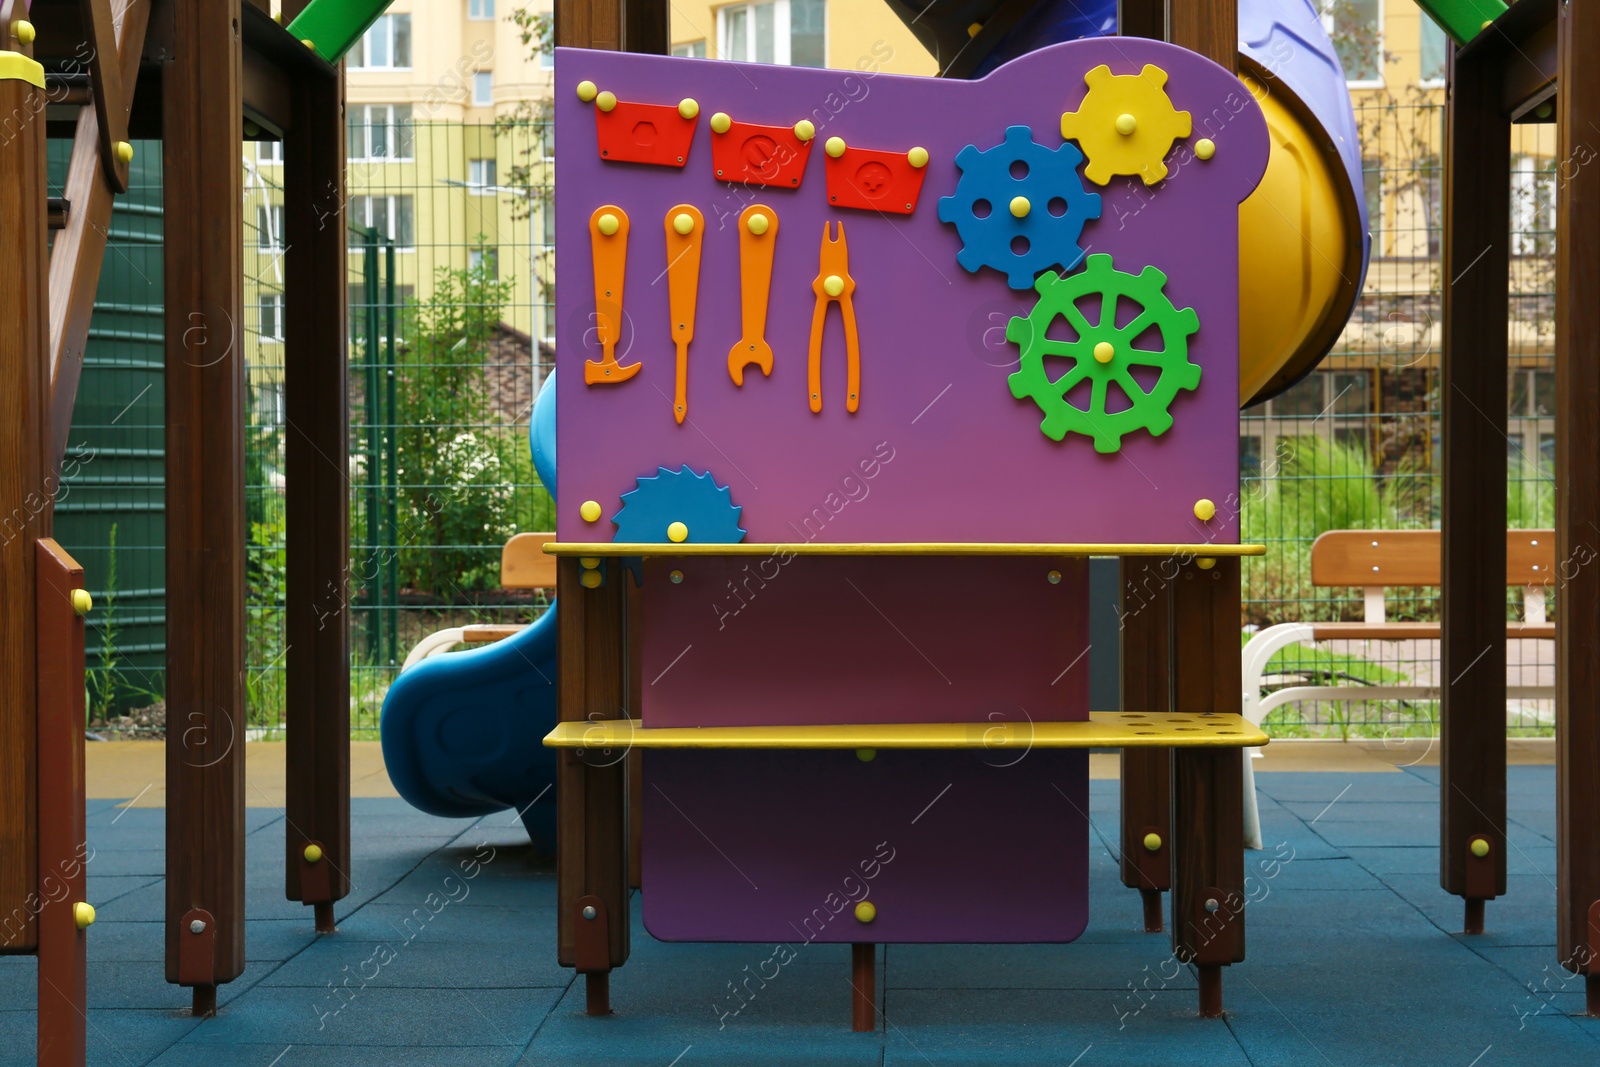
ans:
(332, 27)
(1461, 19)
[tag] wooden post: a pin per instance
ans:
(1146, 772)
(202, 129)
(863, 987)
(1142, 18)
(25, 492)
(1578, 499)
(618, 25)
(1472, 388)
(63, 854)
(317, 608)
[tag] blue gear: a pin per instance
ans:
(695, 500)
(1052, 239)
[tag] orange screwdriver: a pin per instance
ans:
(685, 228)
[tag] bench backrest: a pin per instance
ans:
(524, 564)
(1375, 559)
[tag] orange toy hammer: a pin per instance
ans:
(833, 283)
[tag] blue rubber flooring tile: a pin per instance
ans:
(186, 1054)
(142, 985)
(531, 928)
(115, 819)
(422, 964)
(114, 1038)
(104, 892)
(1271, 871)
(1311, 787)
(1329, 909)
(505, 1018)
(1396, 827)
(1116, 967)
(150, 863)
(684, 1016)
(18, 982)
(1397, 859)
(1041, 1026)
(732, 957)
(1283, 833)
(1526, 915)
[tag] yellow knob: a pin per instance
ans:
(124, 152)
(24, 31)
(721, 123)
(1020, 206)
(833, 285)
(1205, 148)
(590, 579)
(866, 755)
(82, 602)
(1054, 577)
(1205, 563)
(1104, 352)
(1152, 842)
(917, 157)
(866, 911)
(313, 853)
(683, 222)
(82, 912)
(1480, 848)
(1204, 509)
(587, 91)
(606, 100)
(974, 29)
(590, 509)
(677, 577)
(608, 224)
(677, 533)
(589, 563)
(1126, 124)
(805, 129)
(688, 107)
(758, 224)
(834, 147)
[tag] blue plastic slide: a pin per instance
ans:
(462, 732)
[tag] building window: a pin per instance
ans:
(485, 259)
(386, 46)
(691, 49)
(381, 131)
(791, 32)
(269, 151)
(480, 177)
(480, 9)
(1356, 27)
(547, 59)
(270, 323)
(1435, 52)
(269, 227)
(483, 88)
(1533, 207)
(394, 217)
(1372, 190)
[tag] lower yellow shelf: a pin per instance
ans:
(1104, 729)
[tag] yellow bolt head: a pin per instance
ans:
(609, 224)
(677, 533)
(974, 29)
(1205, 148)
(82, 602)
(721, 123)
(1480, 848)
(587, 91)
(606, 100)
(866, 755)
(688, 107)
(309, 43)
(313, 853)
(805, 129)
(866, 911)
(1126, 124)
(833, 285)
(83, 914)
(917, 157)
(1104, 352)
(124, 152)
(590, 579)
(25, 33)
(683, 223)
(834, 147)
(1020, 206)
(589, 563)
(1204, 509)
(1152, 842)
(1205, 563)
(590, 509)
(1054, 577)
(758, 224)
(677, 577)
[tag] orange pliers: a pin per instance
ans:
(833, 283)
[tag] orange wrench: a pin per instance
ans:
(608, 237)
(685, 228)
(758, 234)
(833, 283)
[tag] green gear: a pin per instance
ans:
(1058, 297)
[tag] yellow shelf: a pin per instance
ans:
(896, 548)
(1104, 729)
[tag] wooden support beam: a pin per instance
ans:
(112, 101)
(1472, 388)
(203, 197)
(317, 611)
(1146, 772)
(1142, 18)
(1578, 500)
(25, 493)
(1210, 27)
(619, 25)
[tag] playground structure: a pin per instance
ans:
(198, 82)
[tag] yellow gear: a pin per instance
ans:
(1113, 97)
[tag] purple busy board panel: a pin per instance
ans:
(789, 640)
(971, 463)
(948, 846)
